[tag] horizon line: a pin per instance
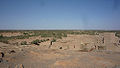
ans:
(60, 29)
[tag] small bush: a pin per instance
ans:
(54, 40)
(65, 35)
(59, 37)
(25, 33)
(41, 40)
(1, 36)
(23, 43)
(35, 41)
(46, 35)
(44, 40)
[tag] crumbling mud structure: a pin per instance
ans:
(57, 49)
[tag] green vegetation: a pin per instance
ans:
(64, 35)
(58, 34)
(35, 41)
(1, 36)
(25, 33)
(55, 34)
(84, 32)
(53, 40)
(23, 43)
(3, 39)
(45, 35)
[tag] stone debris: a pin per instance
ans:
(74, 51)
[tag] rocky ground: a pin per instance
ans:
(38, 57)
(64, 53)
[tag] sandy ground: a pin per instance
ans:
(38, 57)
(70, 56)
(9, 34)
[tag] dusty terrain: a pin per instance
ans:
(73, 51)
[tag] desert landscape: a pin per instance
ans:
(59, 33)
(59, 49)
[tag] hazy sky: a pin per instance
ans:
(60, 14)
